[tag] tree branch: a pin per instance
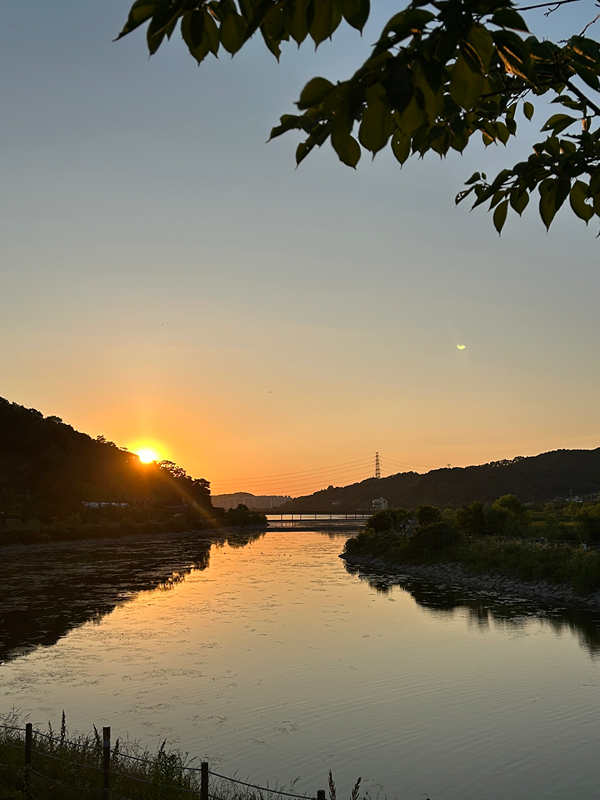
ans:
(582, 96)
(545, 5)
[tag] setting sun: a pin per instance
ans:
(147, 455)
(147, 451)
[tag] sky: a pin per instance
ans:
(170, 279)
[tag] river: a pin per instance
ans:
(270, 658)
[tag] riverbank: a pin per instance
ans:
(62, 534)
(455, 573)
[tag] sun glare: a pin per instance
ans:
(147, 455)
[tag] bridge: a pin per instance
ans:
(307, 521)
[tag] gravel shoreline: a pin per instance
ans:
(457, 574)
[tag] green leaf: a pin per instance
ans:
(528, 109)
(314, 92)
(407, 23)
(466, 85)
(356, 12)
(558, 123)
(577, 198)
(401, 146)
(196, 35)
(476, 176)
(303, 150)
(287, 123)
(273, 28)
(588, 49)
(519, 199)
(376, 126)
(412, 118)
(297, 24)
(586, 74)
(553, 193)
(514, 53)
(140, 12)
(502, 132)
(500, 216)
(327, 17)
(212, 32)
(347, 148)
(431, 101)
(472, 57)
(335, 98)
(509, 18)
(232, 32)
(483, 43)
(348, 151)
(154, 40)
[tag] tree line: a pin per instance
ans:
(57, 483)
(534, 479)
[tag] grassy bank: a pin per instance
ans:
(523, 559)
(141, 523)
(64, 767)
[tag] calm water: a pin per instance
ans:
(269, 658)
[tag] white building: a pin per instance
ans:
(380, 504)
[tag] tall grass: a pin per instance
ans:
(67, 767)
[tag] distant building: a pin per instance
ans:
(380, 504)
(263, 501)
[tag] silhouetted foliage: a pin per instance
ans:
(588, 519)
(241, 516)
(438, 74)
(58, 483)
(428, 515)
(471, 519)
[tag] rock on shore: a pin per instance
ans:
(457, 574)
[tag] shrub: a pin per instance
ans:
(471, 519)
(432, 540)
(428, 515)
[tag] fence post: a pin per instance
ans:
(28, 749)
(204, 780)
(106, 763)
(321, 794)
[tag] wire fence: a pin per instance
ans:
(44, 765)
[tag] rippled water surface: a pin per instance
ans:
(270, 658)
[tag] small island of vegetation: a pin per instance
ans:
(554, 544)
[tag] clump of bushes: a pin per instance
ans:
(498, 538)
(388, 519)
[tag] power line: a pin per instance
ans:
(295, 484)
(409, 464)
(299, 472)
(301, 481)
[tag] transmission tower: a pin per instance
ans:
(377, 469)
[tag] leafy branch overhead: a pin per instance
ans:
(439, 73)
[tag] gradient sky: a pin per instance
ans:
(168, 277)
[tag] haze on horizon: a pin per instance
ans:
(170, 280)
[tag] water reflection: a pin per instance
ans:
(487, 609)
(47, 590)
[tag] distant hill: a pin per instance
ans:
(261, 501)
(533, 479)
(47, 469)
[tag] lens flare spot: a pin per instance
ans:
(461, 346)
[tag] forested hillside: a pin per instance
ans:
(534, 479)
(48, 469)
